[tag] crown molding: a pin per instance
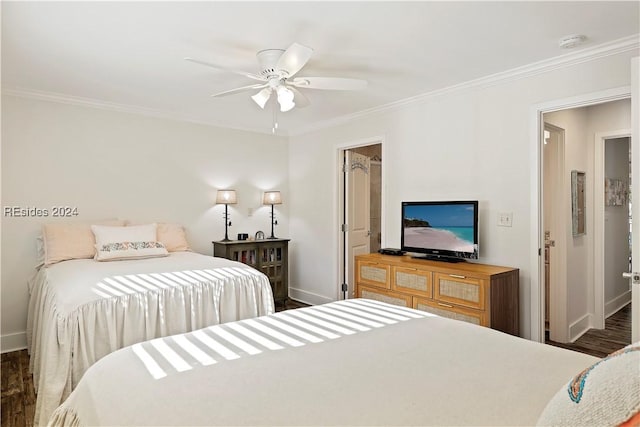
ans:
(123, 108)
(585, 55)
(614, 47)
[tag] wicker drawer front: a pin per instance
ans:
(412, 280)
(452, 312)
(384, 296)
(371, 273)
(460, 290)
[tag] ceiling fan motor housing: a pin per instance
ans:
(268, 59)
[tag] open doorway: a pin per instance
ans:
(583, 283)
(360, 208)
(617, 224)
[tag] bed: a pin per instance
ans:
(81, 310)
(352, 362)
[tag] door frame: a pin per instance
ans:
(635, 211)
(598, 222)
(341, 241)
(537, 233)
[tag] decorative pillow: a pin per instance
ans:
(62, 241)
(133, 242)
(173, 237)
(605, 394)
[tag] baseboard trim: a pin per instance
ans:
(613, 306)
(13, 342)
(308, 297)
(579, 327)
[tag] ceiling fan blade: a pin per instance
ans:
(219, 67)
(240, 89)
(328, 83)
(294, 58)
(299, 98)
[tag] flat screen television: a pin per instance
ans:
(444, 231)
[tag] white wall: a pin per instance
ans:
(616, 230)
(471, 144)
(110, 164)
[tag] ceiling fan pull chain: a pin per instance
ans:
(274, 106)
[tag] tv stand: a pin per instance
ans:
(439, 258)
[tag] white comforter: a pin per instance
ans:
(354, 362)
(81, 310)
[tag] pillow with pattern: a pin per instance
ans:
(133, 242)
(605, 394)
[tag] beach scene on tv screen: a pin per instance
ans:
(444, 227)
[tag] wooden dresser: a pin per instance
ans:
(483, 294)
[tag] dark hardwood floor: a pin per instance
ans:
(18, 396)
(289, 304)
(600, 342)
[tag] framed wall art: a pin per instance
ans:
(578, 203)
(615, 192)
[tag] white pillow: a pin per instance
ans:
(133, 242)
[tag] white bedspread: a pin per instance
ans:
(82, 310)
(354, 362)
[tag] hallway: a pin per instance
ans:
(601, 342)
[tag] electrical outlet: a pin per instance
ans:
(505, 219)
(250, 212)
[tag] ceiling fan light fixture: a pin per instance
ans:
(262, 97)
(285, 98)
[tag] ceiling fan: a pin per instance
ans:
(276, 74)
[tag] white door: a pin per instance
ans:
(555, 233)
(635, 199)
(358, 211)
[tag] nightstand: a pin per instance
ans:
(270, 256)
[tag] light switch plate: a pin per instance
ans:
(505, 219)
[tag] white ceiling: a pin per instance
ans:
(130, 54)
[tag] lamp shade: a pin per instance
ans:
(262, 97)
(226, 197)
(272, 198)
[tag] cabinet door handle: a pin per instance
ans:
(445, 305)
(457, 276)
